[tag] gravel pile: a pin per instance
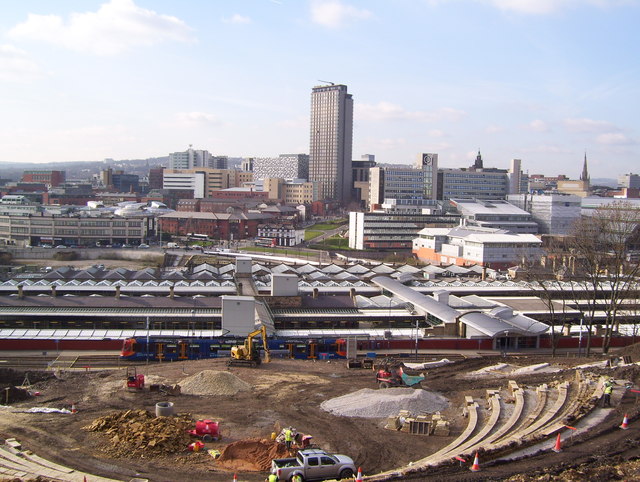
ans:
(212, 382)
(369, 403)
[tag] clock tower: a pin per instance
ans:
(428, 162)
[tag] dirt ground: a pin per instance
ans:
(284, 393)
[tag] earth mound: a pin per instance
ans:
(212, 382)
(251, 455)
(370, 403)
(138, 433)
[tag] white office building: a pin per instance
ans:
(495, 214)
(185, 181)
(554, 213)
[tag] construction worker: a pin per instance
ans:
(608, 390)
(288, 438)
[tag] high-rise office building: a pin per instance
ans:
(189, 159)
(331, 141)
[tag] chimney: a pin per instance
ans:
(441, 296)
(20, 292)
(352, 293)
(117, 292)
(53, 291)
(315, 292)
(484, 273)
(171, 289)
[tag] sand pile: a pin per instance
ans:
(138, 433)
(251, 455)
(369, 403)
(212, 382)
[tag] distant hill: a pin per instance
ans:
(83, 169)
(604, 181)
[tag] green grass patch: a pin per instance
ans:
(311, 233)
(334, 242)
(326, 226)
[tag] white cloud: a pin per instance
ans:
(298, 122)
(383, 144)
(15, 65)
(196, 118)
(547, 149)
(493, 129)
(117, 26)
(334, 14)
(237, 19)
(387, 111)
(538, 125)
(614, 138)
(589, 125)
(541, 7)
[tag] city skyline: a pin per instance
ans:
(538, 80)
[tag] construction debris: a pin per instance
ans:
(419, 425)
(139, 433)
(212, 382)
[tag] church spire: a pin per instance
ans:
(478, 163)
(585, 172)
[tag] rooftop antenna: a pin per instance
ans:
(326, 82)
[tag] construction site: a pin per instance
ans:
(477, 417)
(162, 375)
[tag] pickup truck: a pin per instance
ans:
(314, 464)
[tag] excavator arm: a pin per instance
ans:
(247, 352)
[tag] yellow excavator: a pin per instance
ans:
(249, 353)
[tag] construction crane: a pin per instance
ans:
(326, 82)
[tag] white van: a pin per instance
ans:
(173, 245)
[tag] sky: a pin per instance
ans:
(539, 80)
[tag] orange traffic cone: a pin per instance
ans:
(625, 423)
(359, 476)
(235, 478)
(476, 464)
(73, 408)
(558, 447)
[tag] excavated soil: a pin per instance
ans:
(126, 442)
(253, 455)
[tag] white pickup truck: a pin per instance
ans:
(314, 464)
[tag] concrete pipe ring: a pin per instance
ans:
(164, 409)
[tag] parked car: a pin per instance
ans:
(143, 246)
(61, 246)
(48, 246)
(314, 464)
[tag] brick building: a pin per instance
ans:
(50, 178)
(229, 226)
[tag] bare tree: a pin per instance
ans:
(605, 264)
(546, 275)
